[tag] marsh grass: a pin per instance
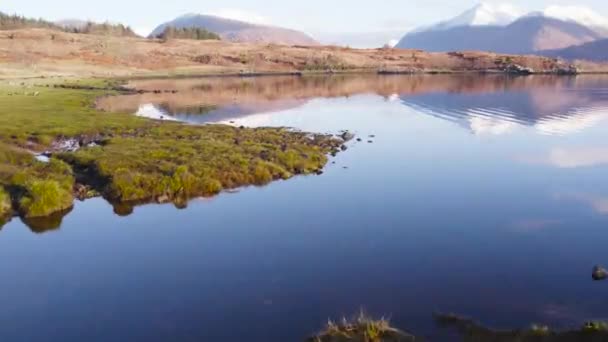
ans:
(5, 205)
(136, 160)
(362, 328)
(471, 331)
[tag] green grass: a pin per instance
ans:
(34, 121)
(177, 162)
(138, 160)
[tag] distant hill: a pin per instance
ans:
(593, 51)
(238, 31)
(526, 35)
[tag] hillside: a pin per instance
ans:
(526, 35)
(592, 51)
(16, 22)
(238, 31)
(36, 52)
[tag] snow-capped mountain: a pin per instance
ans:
(485, 14)
(506, 29)
(481, 15)
(579, 14)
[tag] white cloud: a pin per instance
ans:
(598, 203)
(483, 125)
(570, 158)
(578, 157)
(578, 14)
(241, 15)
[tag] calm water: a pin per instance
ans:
(484, 196)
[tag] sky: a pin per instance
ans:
(323, 19)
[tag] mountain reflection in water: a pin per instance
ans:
(492, 104)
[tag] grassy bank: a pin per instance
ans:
(471, 331)
(128, 159)
(363, 328)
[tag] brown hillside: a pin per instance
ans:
(41, 52)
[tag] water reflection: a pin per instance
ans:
(485, 105)
(41, 225)
(503, 225)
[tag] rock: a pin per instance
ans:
(346, 136)
(344, 147)
(567, 70)
(370, 141)
(517, 69)
(599, 273)
(359, 139)
(319, 172)
(162, 199)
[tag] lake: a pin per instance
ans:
(485, 196)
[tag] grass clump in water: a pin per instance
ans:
(173, 162)
(361, 329)
(37, 189)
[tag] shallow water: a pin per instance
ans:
(483, 196)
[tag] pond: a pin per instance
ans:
(485, 196)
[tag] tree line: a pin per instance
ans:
(15, 22)
(195, 33)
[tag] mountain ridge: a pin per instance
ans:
(526, 35)
(238, 31)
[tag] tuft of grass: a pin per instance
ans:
(362, 328)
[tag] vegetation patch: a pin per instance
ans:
(128, 159)
(470, 331)
(361, 329)
(5, 205)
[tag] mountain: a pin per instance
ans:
(525, 35)
(480, 15)
(581, 15)
(593, 51)
(239, 31)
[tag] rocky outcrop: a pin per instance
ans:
(516, 69)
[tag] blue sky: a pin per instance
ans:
(318, 17)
